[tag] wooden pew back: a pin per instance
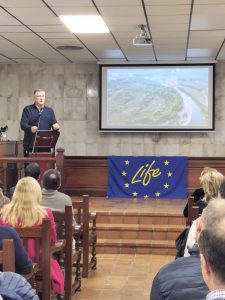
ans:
(89, 234)
(7, 256)
(65, 230)
(42, 240)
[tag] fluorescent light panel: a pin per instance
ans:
(85, 24)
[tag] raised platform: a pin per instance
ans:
(138, 225)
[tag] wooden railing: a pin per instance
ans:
(19, 162)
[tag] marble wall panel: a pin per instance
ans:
(14, 131)
(92, 132)
(72, 90)
(92, 108)
(92, 86)
(75, 108)
(58, 106)
(3, 110)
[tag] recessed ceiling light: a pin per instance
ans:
(85, 23)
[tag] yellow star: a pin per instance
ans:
(135, 194)
(146, 196)
(127, 162)
(169, 174)
(127, 185)
(166, 163)
(166, 185)
(124, 173)
(157, 194)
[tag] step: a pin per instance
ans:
(136, 246)
(139, 231)
(140, 218)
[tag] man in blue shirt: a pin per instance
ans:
(37, 117)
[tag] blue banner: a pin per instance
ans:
(147, 176)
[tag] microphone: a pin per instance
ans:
(35, 138)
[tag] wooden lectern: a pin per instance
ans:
(44, 141)
(43, 145)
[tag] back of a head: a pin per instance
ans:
(212, 237)
(211, 181)
(25, 207)
(27, 190)
(51, 179)
(206, 170)
(32, 170)
(222, 189)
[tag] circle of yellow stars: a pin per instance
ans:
(157, 194)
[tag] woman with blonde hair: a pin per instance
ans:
(25, 210)
(211, 181)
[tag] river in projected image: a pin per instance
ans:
(157, 97)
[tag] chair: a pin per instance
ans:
(193, 211)
(7, 256)
(89, 234)
(66, 230)
(7, 260)
(42, 240)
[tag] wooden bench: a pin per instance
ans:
(89, 233)
(66, 230)
(42, 240)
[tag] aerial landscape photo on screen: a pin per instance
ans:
(170, 97)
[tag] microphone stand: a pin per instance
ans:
(35, 138)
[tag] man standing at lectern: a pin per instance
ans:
(36, 117)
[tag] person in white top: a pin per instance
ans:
(210, 181)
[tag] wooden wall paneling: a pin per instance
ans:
(88, 175)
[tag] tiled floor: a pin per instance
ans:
(126, 276)
(122, 277)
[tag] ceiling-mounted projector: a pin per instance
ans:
(142, 39)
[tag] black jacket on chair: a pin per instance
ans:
(180, 280)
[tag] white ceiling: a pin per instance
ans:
(181, 30)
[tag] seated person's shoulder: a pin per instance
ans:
(7, 230)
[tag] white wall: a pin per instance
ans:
(72, 91)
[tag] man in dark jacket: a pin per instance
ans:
(36, 117)
(180, 280)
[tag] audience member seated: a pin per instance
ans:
(15, 287)
(51, 197)
(22, 261)
(211, 182)
(198, 194)
(180, 280)
(212, 248)
(25, 210)
(3, 199)
(32, 170)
